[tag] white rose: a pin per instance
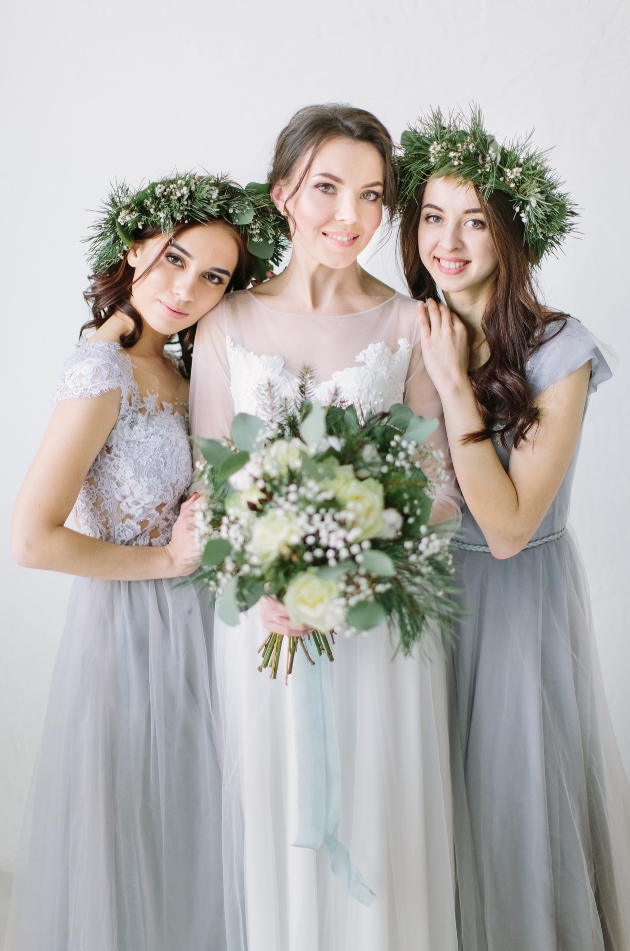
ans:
(242, 480)
(272, 533)
(238, 501)
(281, 456)
(393, 523)
(314, 601)
(365, 500)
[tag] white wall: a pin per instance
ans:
(97, 91)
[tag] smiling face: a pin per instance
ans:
(339, 205)
(188, 279)
(454, 240)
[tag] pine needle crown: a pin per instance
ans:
(459, 145)
(187, 198)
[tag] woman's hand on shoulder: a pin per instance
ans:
(445, 349)
(183, 548)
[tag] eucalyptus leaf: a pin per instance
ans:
(260, 249)
(341, 568)
(214, 452)
(236, 461)
(366, 615)
(228, 604)
(257, 188)
(313, 428)
(335, 418)
(215, 551)
(251, 591)
(244, 216)
(378, 563)
(419, 428)
(399, 415)
(316, 470)
(245, 431)
(124, 236)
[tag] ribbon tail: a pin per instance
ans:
(319, 774)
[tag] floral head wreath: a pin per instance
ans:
(182, 199)
(461, 146)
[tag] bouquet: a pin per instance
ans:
(329, 512)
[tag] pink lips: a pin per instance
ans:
(451, 270)
(173, 312)
(340, 238)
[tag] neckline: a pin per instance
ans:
(286, 313)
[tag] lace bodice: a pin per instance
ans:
(244, 350)
(373, 386)
(131, 494)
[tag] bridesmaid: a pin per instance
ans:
(121, 849)
(541, 802)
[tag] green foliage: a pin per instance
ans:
(460, 146)
(216, 550)
(366, 615)
(245, 431)
(188, 198)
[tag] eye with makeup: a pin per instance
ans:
(432, 219)
(475, 223)
(326, 188)
(371, 196)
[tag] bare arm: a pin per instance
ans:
(39, 539)
(508, 507)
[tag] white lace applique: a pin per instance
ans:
(377, 384)
(373, 387)
(251, 376)
(132, 492)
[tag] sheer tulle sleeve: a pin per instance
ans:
(211, 403)
(422, 397)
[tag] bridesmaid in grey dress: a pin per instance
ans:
(121, 847)
(541, 800)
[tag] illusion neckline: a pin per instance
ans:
(358, 313)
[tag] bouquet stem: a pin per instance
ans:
(271, 649)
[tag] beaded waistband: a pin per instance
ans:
(533, 544)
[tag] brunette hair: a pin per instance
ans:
(110, 290)
(514, 321)
(311, 126)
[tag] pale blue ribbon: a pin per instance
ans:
(319, 772)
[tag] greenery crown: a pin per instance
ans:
(461, 146)
(182, 199)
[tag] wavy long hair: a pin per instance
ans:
(110, 291)
(515, 322)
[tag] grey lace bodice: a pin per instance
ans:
(559, 355)
(131, 494)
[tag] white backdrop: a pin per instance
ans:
(99, 91)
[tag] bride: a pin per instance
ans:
(386, 781)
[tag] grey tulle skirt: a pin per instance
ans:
(121, 848)
(541, 801)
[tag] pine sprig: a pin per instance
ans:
(126, 214)
(460, 146)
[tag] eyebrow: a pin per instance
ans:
(469, 211)
(217, 270)
(340, 180)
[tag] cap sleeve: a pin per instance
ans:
(95, 369)
(565, 350)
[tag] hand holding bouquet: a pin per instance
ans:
(328, 513)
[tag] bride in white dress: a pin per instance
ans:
(389, 786)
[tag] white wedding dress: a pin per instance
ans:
(388, 784)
